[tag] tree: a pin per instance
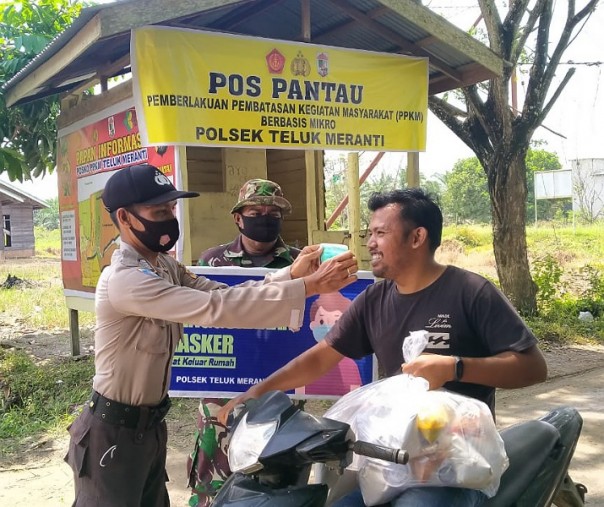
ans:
(28, 132)
(48, 218)
(500, 137)
(466, 197)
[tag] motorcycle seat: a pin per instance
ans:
(528, 446)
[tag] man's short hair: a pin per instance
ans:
(417, 208)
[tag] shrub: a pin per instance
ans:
(38, 396)
(547, 275)
(468, 236)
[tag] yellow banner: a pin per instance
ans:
(199, 88)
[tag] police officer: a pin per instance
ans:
(117, 448)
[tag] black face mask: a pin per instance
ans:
(157, 236)
(263, 228)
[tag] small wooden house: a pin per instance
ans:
(17, 209)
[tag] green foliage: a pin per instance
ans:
(573, 242)
(39, 300)
(569, 278)
(467, 236)
(562, 295)
(477, 237)
(40, 396)
(466, 195)
(466, 198)
(592, 296)
(48, 218)
(48, 242)
(28, 132)
(378, 181)
(547, 274)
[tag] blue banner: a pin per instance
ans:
(225, 362)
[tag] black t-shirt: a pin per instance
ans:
(463, 313)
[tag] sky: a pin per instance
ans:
(578, 114)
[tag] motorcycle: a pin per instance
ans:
(275, 444)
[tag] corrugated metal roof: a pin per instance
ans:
(384, 26)
(10, 194)
(55, 45)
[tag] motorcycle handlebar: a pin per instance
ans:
(380, 452)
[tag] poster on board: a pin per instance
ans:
(87, 155)
(212, 362)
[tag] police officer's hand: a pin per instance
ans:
(307, 262)
(436, 369)
(332, 275)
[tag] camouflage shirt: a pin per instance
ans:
(233, 254)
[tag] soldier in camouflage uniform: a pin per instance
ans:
(259, 215)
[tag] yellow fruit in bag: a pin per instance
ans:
(431, 420)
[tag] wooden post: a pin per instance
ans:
(314, 216)
(305, 14)
(354, 204)
(412, 169)
(74, 329)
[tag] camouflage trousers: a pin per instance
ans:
(208, 465)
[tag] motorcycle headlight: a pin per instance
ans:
(247, 443)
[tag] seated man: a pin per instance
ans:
(259, 216)
(477, 341)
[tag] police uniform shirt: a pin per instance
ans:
(141, 310)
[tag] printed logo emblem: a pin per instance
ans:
(275, 62)
(111, 126)
(323, 64)
(300, 66)
(438, 341)
(108, 453)
(161, 179)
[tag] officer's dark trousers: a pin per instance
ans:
(117, 466)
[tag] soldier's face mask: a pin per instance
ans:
(157, 236)
(262, 228)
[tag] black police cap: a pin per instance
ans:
(140, 184)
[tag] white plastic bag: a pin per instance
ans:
(451, 439)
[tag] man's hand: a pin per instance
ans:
(307, 262)
(436, 369)
(332, 275)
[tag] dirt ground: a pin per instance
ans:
(576, 379)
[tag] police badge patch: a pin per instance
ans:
(275, 62)
(323, 64)
(148, 271)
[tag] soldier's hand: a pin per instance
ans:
(223, 413)
(332, 275)
(307, 262)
